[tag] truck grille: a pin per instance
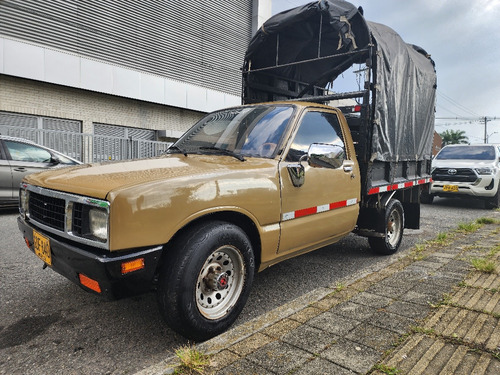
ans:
(454, 174)
(47, 210)
(77, 218)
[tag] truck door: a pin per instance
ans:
(326, 205)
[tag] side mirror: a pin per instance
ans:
(54, 160)
(322, 155)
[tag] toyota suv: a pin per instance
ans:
(467, 171)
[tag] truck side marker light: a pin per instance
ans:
(383, 189)
(27, 242)
(133, 265)
(89, 283)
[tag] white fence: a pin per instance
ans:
(89, 148)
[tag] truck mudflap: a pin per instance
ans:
(111, 274)
(374, 205)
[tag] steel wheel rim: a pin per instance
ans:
(220, 282)
(394, 228)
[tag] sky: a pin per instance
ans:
(463, 38)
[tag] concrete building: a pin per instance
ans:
(147, 69)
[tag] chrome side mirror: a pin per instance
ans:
(322, 155)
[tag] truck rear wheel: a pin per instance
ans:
(206, 279)
(393, 219)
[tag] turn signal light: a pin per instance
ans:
(89, 283)
(133, 265)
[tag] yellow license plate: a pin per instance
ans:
(41, 245)
(452, 188)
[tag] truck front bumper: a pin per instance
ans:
(96, 270)
(485, 187)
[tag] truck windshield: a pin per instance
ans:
(254, 131)
(467, 152)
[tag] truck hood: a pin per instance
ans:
(98, 180)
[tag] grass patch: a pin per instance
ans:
(428, 332)
(445, 301)
(192, 361)
(486, 220)
(338, 288)
(494, 251)
(418, 251)
(442, 239)
(468, 227)
(484, 265)
(386, 369)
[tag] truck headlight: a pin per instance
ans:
(484, 171)
(23, 202)
(98, 223)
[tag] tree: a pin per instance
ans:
(452, 137)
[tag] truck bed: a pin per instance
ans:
(299, 54)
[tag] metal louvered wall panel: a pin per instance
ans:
(200, 42)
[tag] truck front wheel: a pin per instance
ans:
(205, 279)
(495, 201)
(393, 220)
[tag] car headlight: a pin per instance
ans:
(98, 223)
(484, 171)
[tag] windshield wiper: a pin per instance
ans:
(223, 151)
(178, 149)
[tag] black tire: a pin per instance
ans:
(493, 202)
(205, 280)
(393, 221)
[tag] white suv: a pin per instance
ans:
(467, 171)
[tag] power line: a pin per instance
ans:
(456, 104)
(447, 110)
(484, 119)
(458, 123)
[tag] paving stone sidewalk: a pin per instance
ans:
(430, 312)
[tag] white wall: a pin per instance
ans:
(31, 61)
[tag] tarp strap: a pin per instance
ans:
(347, 35)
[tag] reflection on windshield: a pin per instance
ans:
(467, 152)
(248, 131)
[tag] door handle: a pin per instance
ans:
(20, 169)
(349, 168)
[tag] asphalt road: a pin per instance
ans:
(51, 326)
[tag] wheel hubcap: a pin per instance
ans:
(220, 282)
(394, 228)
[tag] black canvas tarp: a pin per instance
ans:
(326, 35)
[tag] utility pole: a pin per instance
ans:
(484, 119)
(485, 129)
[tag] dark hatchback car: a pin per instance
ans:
(19, 157)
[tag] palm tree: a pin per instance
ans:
(451, 137)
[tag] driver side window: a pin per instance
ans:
(315, 127)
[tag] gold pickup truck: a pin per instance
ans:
(243, 189)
